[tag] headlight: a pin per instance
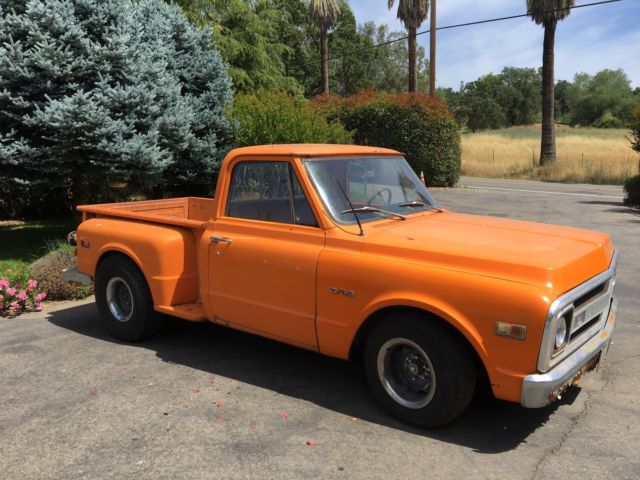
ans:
(561, 334)
(563, 325)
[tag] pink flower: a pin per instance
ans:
(22, 295)
(41, 296)
(13, 306)
(4, 283)
(39, 308)
(32, 284)
(11, 291)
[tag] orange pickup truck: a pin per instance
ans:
(340, 249)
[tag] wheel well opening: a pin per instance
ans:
(357, 346)
(117, 254)
(114, 253)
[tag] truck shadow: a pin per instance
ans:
(489, 426)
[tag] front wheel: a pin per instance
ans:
(419, 369)
(124, 300)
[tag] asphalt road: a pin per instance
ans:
(201, 401)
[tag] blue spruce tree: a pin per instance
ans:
(101, 99)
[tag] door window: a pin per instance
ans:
(268, 191)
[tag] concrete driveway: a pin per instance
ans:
(202, 401)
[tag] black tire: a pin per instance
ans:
(124, 300)
(419, 369)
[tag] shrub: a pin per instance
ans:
(420, 127)
(268, 117)
(19, 294)
(632, 185)
(17, 274)
(47, 270)
(635, 130)
(608, 120)
(632, 190)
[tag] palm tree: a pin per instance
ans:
(324, 14)
(548, 13)
(412, 13)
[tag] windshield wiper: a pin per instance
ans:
(416, 204)
(355, 211)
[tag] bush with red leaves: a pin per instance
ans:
(420, 127)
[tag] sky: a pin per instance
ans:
(590, 39)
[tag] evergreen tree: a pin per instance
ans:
(97, 95)
(349, 70)
(273, 44)
(300, 35)
(248, 35)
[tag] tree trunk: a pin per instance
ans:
(413, 74)
(324, 59)
(548, 142)
(432, 51)
(80, 191)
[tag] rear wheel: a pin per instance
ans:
(419, 369)
(124, 300)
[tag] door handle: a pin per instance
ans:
(216, 239)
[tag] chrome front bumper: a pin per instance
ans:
(73, 275)
(541, 389)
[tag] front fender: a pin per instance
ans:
(336, 338)
(429, 304)
(471, 303)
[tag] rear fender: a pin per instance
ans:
(166, 255)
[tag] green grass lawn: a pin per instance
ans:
(22, 243)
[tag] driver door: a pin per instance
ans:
(264, 254)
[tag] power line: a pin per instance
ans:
(468, 24)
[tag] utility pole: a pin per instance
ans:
(432, 51)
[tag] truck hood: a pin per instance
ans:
(548, 256)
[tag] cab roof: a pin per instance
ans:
(311, 150)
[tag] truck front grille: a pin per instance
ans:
(586, 307)
(591, 309)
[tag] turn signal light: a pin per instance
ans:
(511, 330)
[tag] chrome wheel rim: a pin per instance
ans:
(406, 373)
(119, 299)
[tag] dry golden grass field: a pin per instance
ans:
(585, 155)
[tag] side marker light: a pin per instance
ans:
(510, 330)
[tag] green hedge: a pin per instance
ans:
(420, 127)
(632, 190)
(271, 117)
(635, 130)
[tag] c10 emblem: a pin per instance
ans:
(342, 291)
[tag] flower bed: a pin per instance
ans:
(18, 297)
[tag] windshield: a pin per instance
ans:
(386, 183)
